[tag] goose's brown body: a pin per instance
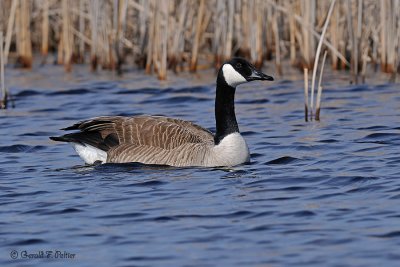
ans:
(145, 139)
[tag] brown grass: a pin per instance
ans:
(183, 35)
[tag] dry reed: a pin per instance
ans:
(319, 93)
(45, 30)
(317, 55)
(306, 94)
(23, 34)
(3, 90)
(188, 35)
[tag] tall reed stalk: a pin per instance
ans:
(10, 25)
(319, 94)
(3, 90)
(195, 49)
(318, 53)
(24, 44)
(94, 14)
(66, 36)
(306, 88)
(45, 29)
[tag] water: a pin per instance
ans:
(315, 194)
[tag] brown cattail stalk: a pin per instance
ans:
(383, 35)
(292, 29)
(3, 99)
(391, 37)
(25, 47)
(219, 33)
(358, 38)
(60, 49)
(10, 26)
(177, 42)
(306, 36)
(229, 35)
(319, 94)
(121, 25)
(66, 36)
(143, 30)
(81, 54)
(195, 49)
(312, 20)
(156, 42)
(246, 29)
(334, 35)
(162, 73)
(94, 8)
(45, 29)
(269, 40)
(398, 39)
(305, 94)
(353, 40)
(150, 44)
(259, 35)
(277, 45)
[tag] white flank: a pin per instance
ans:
(232, 77)
(231, 151)
(90, 154)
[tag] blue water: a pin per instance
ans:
(314, 194)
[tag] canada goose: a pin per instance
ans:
(168, 141)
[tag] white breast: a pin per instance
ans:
(231, 151)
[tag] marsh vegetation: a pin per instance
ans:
(191, 35)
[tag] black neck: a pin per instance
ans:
(224, 110)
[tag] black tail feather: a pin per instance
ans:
(91, 138)
(97, 132)
(59, 139)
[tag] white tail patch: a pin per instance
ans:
(90, 154)
(232, 77)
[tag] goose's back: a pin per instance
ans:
(145, 139)
(161, 132)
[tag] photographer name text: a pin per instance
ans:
(42, 254)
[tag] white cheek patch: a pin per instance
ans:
(232, 77)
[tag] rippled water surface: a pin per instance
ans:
(315, 194)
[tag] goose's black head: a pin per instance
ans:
(237, 71)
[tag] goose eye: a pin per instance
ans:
(238, 65)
